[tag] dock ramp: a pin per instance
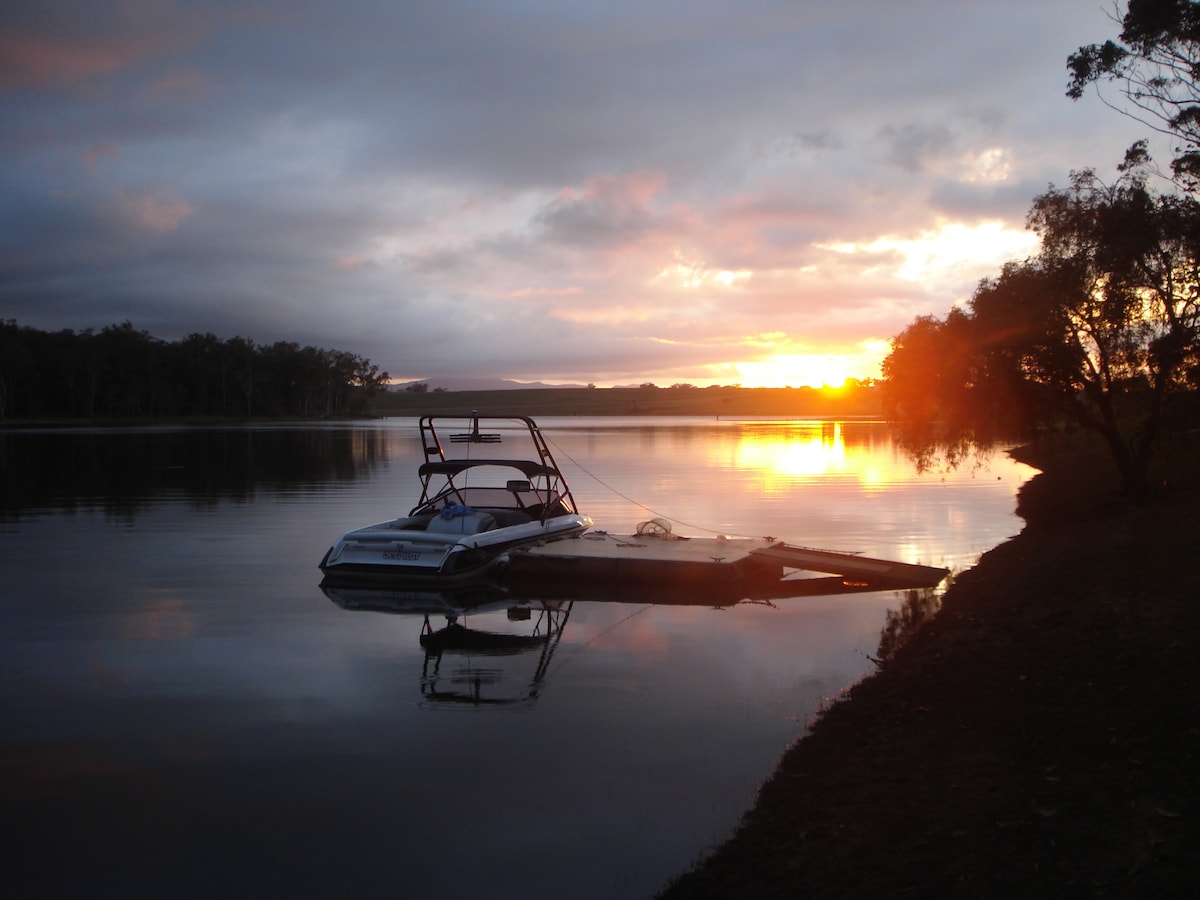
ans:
(849, 565)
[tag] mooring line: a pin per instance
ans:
(576, 649)
(629, 499)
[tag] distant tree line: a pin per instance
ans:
(855, 400)
(122, 372)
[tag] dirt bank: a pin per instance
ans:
(1040, 737)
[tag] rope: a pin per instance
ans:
(575, 649)
(629, 499)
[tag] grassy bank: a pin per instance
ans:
(1039, 738)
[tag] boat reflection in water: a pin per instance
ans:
(467, 667)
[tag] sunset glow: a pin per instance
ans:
(813, 369)
(796, 370)
(496, 212)
(945, 251)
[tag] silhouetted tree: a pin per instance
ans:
(1156, 63)
(123, 372)
(1101, 326)
(202, 371)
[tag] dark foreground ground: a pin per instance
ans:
(1040, 737)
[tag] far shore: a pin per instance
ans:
(1040, 737)
(856, 401)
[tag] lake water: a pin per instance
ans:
(187, 713)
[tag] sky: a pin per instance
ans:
(759, 192)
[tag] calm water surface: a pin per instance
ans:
(187, 712)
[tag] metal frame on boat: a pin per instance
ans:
(472, 511)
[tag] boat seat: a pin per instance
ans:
(470, 523)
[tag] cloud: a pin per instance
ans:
(608, 211)
(912, 144)
(549, 192)
(60, 44)
(98, 154)
(155, 211)
(29, 60)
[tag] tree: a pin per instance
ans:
(1101, 326)
(242, 354)
(1157, 65)
(368, 377)
(130, 371)
(124, 372)
(945, 398)
(15, 363)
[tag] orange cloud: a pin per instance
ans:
(181, 85)
(155, 211)
(26, 60)
(97, 154)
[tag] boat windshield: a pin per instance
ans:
(493, 487)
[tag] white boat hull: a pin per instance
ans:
(398, 550)
(473, 509)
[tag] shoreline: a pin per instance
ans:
(1040, 736)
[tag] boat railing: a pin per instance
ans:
(545, 466)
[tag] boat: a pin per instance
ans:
(472, 512)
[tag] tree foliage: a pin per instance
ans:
(1156, 63)
(123, 372)
(1100, 326)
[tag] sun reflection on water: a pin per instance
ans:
(806, 451)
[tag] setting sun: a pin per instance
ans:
(797, 369)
